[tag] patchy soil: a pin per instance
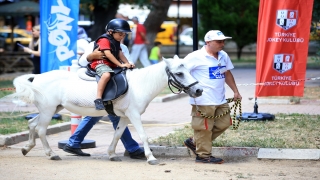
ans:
(13, 165)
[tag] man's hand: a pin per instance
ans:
(96, 54)
(237, 96)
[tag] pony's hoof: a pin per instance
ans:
(153, 162)
(55, 158)
(115, 159)
(24, 152)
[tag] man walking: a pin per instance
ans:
(211, 67)
(139, 48)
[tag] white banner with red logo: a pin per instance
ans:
(282, 46)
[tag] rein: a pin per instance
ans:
(172, 81)
(236, 105)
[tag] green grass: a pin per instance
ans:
(15, 122)
(286, 131)
(6, 84)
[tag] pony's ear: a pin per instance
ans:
(167, 61)
(176, 57)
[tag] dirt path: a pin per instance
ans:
(13, 165)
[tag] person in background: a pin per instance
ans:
(29, 23)
(211, 67)
(125, 40)
(139, 48)
(155, 54)
(34, 49)
(82, 42)
(2, 44)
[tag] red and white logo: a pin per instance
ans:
(286, 19)
(283, 62)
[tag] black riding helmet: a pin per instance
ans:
(118, 25)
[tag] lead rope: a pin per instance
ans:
(236, 105)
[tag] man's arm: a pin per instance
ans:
(96, 54)
(142, 31)
(232, 84)
(90, 55)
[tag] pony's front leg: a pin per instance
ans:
(117, 135)
(135, 119)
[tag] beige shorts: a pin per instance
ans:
(102, 68)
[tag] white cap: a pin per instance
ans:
(215, 35)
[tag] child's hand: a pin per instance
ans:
(126, 65)
(132, 65)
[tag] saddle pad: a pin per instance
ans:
(82, 75)
(80, 92)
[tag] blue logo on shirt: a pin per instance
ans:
(214, 72)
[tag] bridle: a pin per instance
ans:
(172, 81)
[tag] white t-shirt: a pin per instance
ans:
(209, 71)
(89, 48)
(81, 45)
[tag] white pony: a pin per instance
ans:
(55, 90)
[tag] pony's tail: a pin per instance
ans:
(25, 90)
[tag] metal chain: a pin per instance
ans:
(236, 105)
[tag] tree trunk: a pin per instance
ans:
(158, 13)
(239, 52)
(102, 16)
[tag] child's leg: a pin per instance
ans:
(102, 84)
(104, 72)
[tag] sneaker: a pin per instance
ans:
(189, 143)
(99, 104)
(211, 160)
(75, 151)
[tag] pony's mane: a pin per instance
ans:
(151, 77)
(150, 71)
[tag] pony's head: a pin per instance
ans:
(180, 77)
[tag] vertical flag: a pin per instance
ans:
(58, 32)
(282, 46)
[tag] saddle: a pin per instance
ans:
(116, 86)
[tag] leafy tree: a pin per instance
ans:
(159, 10)
(234, 18)
(105, 10)
(314, 30)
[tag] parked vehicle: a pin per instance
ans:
(186, 37)
(19, 35)
(168, 36)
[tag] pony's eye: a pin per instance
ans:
(178, 73)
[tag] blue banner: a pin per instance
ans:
(58, 32)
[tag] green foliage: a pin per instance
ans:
(234, 18)
(314, 30)
(316, 11)
(286, 131)
(14, 122)
(106, 3)
(6, 84)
